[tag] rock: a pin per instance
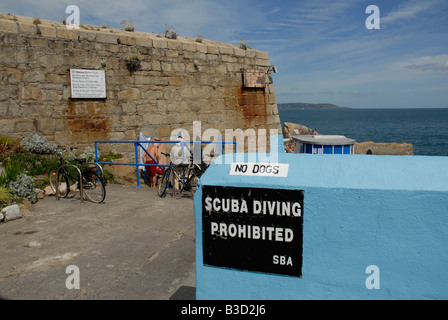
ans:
(33, 244)
(12, 212)
(292, 129)
(26, 208)
(48, 191)
(39, 193)
(394, 148)
(2, 216)
(62, 187)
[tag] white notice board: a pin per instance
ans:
(87, 83)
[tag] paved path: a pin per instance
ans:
(135, 245)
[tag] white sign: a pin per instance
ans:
(259, 169)
(87, 83)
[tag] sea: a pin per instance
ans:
(426, 128)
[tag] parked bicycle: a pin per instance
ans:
(68, 179)
(180, 178)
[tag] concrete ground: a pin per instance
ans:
(135, 245)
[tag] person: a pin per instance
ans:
(315, 131)
(153, 151)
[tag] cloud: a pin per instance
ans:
(214, 20)
(308, 15)
(427, 64)
(409, 10)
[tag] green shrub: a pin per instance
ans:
(89, 154)
(170, 33)
(133, 62)
(109, 176)
(38, 144)
(5, 196)
(244, 44)
(109, 157)
(9, 173)
(23, 187)
(130, 26)
(5, 143)
(32, 163)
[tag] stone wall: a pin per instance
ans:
(180, 81)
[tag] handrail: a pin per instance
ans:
(138, 143)
(80, 180)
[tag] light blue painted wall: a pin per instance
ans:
(359, 210)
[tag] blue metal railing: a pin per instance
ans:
(138, 143)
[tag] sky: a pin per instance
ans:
(323, 49)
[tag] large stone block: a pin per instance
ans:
(127, 40)
(129, 94)
(46, 31)
(24, 125)
(160, 43)
(27, 28)
(7, 126)
(226, 50)
(7, 56)
(144, 42)
(30, 93)
(8, 26)
(187, 46)
(86, 35)
(49, 60)
(64, 33)
(106, 38)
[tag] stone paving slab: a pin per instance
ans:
(135, 245)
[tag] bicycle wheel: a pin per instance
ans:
(93, 188)
(191, 182)
(61, 187)
(164, 182)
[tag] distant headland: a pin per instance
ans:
(303, 106)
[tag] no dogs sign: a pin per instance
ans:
(253, 229)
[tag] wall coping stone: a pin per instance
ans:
(51, 29)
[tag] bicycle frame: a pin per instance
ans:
(62, 169)
(189, 172)
(79, 179)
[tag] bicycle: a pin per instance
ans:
(186, 181)
(92, 184)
